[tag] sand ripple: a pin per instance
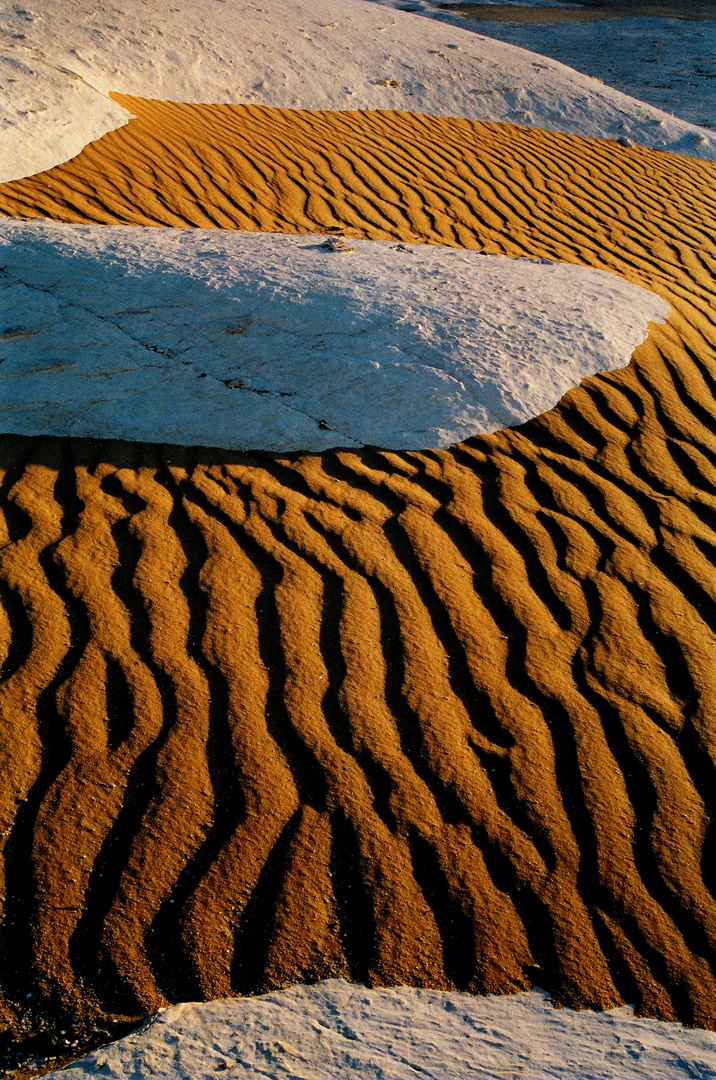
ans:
(440, 718)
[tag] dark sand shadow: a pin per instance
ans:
(587, 11)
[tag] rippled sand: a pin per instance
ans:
(442, 718)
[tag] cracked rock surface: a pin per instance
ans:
(258, 341)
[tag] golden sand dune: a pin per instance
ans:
(441, 718)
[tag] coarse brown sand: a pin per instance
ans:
(441, 718)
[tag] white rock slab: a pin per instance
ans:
(668, 62)
(339, 1031)
(261, 341)
(60, 58)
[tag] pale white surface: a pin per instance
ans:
(670, 63)
(254, 340)
(336, 1030)
(60, 58)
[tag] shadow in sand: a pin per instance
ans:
(587, 11)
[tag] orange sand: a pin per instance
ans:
(445, 718)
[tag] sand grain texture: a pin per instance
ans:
(441, 718)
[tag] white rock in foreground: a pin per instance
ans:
(60, 58)
(339, 1031)
(261, 341)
